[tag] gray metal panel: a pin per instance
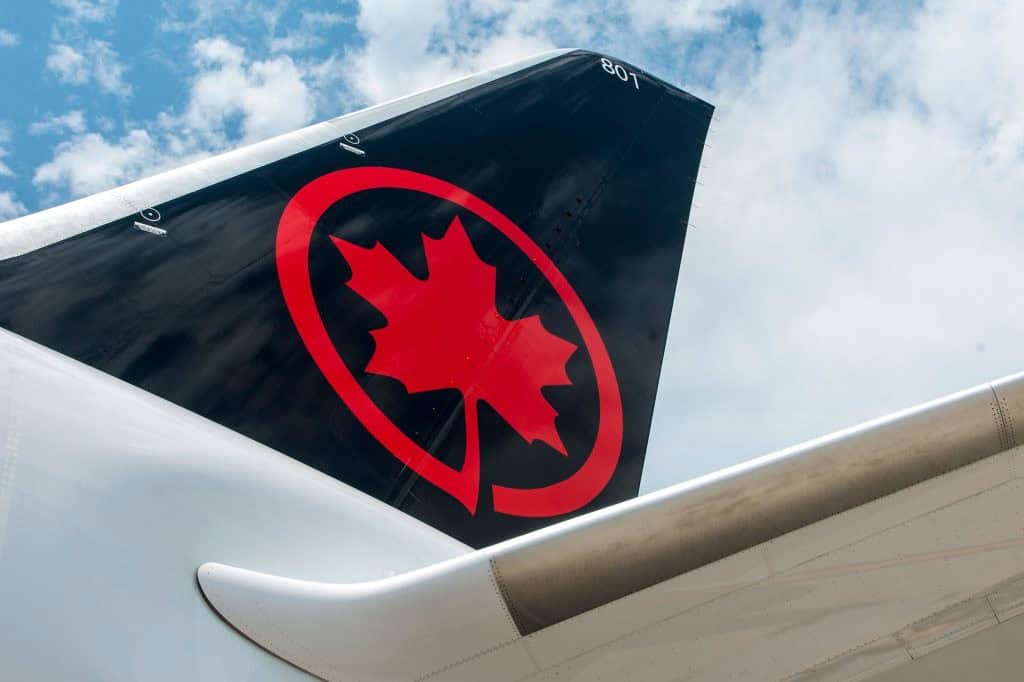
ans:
(552, 575)
(991, 655)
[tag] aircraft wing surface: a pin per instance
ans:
(870, 550)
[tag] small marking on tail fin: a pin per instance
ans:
(350, 148)
(152, 229)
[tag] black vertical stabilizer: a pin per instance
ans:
(464, 318)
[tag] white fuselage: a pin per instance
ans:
(110, 498)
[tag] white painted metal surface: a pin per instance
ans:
(410, 627)
(110, 498)
(875, 586)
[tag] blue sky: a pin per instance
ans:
(115, 67)
(110, 69)
(857, 239)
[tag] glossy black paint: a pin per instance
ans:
(596, 171)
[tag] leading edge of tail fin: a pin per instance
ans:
(460, 310)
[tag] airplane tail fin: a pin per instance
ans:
(459, 307)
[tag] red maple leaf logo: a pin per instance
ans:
(444, 332)
(538, 359)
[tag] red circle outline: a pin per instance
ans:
(294, 235)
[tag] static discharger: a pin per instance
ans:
(152, 229)
(349, 148)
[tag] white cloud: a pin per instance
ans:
(69, 64)
(72, 122)
(410, 46)
(95, 61)
(395, 59)
(8, 39)
(649, 16)
(10, 207)
(198, 16)
(232, 100)
(109, 73)
(258, 23)
(90, 163)
(857, 247)
(5, 137)
(88, 10)
(76, 58)
(267, 97)
(309, 32)
(413, 46)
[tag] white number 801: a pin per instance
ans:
(619, 71)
